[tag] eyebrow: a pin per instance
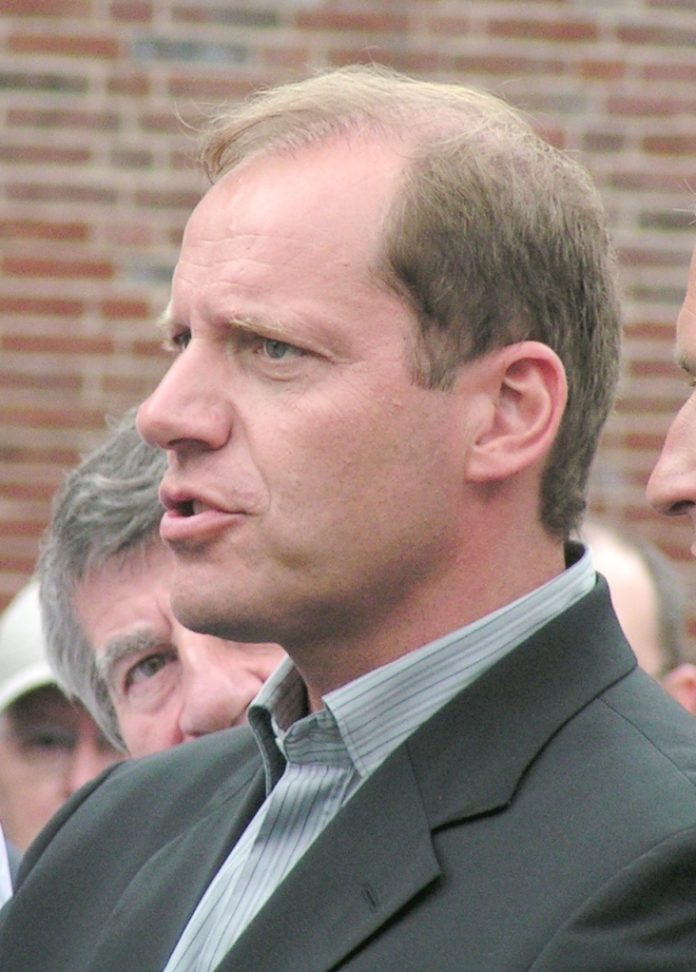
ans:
(123, 646)
(241, 322)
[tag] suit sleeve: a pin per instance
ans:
(642, 920)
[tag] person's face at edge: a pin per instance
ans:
(167, 684)
(49, 747)
(312, 485)
(672, 485)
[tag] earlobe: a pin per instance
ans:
(528, 390)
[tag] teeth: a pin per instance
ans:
(198, 507)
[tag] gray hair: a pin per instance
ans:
(106, 507)
(494, 237)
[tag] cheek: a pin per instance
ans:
(145, 733)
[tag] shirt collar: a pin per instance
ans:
(377, 711)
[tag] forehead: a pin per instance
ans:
(327, 200)
(124, 589)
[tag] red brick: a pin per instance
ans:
(648, 107)
(594, 69)
(61, 193)
(375, 22)
(64, 45)
(644, 441)
(160, 122)
(221, 87)
(506, 66)
(656, 35)
(652, 368)
(42, 381)
(34, 229)
(132, 85)
(642, 180)
(125, 307)
(42, 8)
(77, 344)
(132, 11)
(133, 388)
(129, 234)
(72, 417)
(548, 30)
(671, 71)
(151, 348)
(670, 144)
(23, 489)
(33, 267)
(63, 118)
(45, 154)
(42, 306)
(171, 199)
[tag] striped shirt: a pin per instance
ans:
(314, 763)
(5, 882)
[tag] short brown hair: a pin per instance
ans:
(494, 237)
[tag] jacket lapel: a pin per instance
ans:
(467, 760)
(148, 920)
(370, 861)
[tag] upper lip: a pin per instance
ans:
(179, 499)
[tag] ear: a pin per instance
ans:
(527, 386)
(681, 685)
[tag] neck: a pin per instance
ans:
(388, 630)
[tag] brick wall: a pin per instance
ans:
(96, 184)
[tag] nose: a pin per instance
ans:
(671, 488)
(216, 694)
(188, 406)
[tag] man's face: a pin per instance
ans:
(312, 488)
(672, 485)
(167, 684)
(48, 749)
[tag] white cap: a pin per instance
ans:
(23, 665)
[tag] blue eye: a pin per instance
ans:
(277, 350)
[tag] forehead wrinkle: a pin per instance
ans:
(121, 647)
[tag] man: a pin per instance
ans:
(397, 340)
(49, 747)
(672, 485)
(647, 596)
(112, 638)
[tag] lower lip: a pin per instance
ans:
(175, 528)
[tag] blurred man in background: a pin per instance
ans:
(648, 598)
(112, 638)
(49, 746)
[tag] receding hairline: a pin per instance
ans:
(371, 102)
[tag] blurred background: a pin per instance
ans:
(99, 100)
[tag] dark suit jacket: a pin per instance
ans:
(544, 820)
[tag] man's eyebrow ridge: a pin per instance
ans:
(120, 647)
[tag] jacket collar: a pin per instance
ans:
(467, 760)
